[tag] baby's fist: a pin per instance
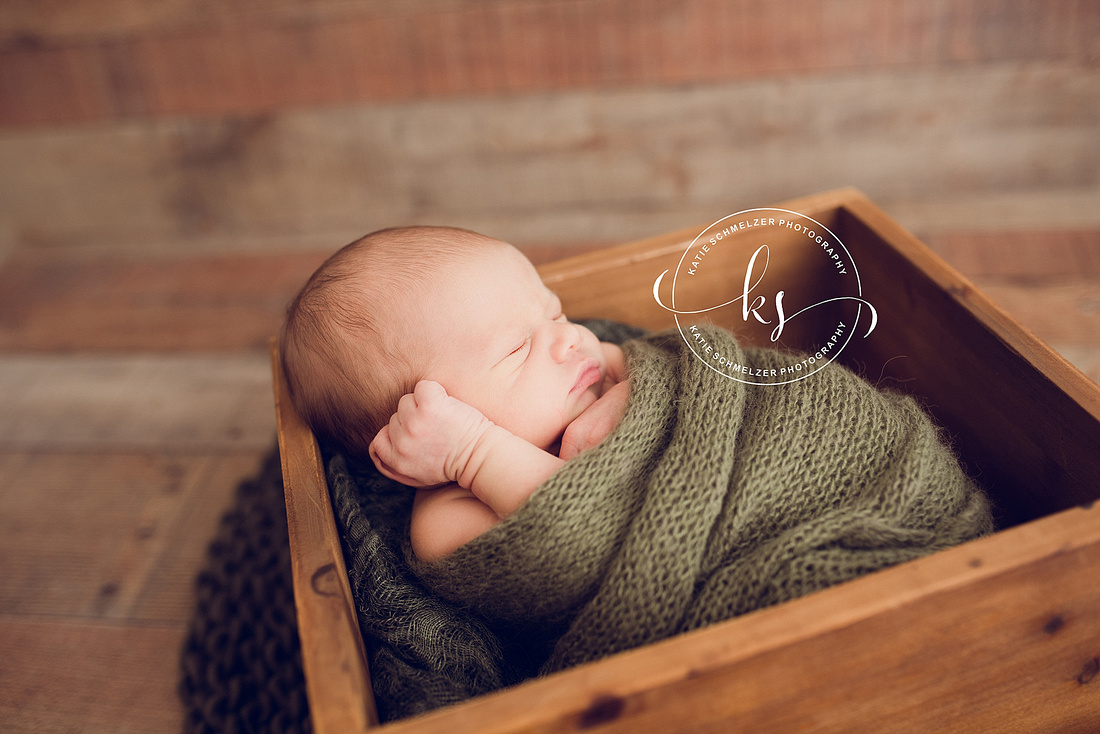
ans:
(429, 439)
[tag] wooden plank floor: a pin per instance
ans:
(136, 395)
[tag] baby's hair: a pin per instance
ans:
(345, 366)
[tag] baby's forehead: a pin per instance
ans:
(465, 283)
(496, 254)
(497, 264)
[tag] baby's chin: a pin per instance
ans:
(544, 439)
(551, 440)
(553, 445)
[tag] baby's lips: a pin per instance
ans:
(588, 375)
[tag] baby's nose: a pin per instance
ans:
(564, 338)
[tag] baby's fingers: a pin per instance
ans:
(380, 449)
(381, 452)
(423, 400)
(427, 391)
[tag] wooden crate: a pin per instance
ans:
(999, 634)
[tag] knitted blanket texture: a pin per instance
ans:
(711, 499)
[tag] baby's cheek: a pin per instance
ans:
(553, 427)
(560, 422)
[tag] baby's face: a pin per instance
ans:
(500, 343)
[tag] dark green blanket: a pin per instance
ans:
(709, 500)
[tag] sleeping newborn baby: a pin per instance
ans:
(668, 497)
(479, 387)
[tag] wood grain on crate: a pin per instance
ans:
(976, 367)
(333, 655)
(897, 651)
(85, 61)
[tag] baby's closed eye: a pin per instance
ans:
(522, 347)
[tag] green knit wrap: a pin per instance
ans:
(713, 498)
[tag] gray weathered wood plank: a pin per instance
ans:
(183, 402)
(582, 165)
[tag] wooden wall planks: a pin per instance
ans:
(51, 303)
(70, 64)
(136, 402)
(573, 166)
(1023, 257)
(162, 304)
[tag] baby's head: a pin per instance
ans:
(436, 303)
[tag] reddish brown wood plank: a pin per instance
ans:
(188, 60)
(1048, 280)
(211, 302)
(1021, 256)
(58, 302)
(51, 85)
(50, 302)
(1059, 314)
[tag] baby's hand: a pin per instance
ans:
(430, 438)
(594, 424)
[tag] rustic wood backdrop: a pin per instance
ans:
(189, 125)
(170, 172)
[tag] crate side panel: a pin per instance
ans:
(1035, 448)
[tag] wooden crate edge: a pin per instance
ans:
(333, 655)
